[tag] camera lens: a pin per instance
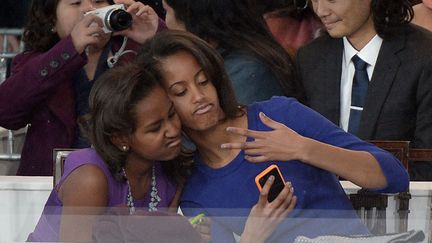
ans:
(119, 20)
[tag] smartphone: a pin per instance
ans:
(278, 183)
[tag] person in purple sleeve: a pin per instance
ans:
(50, 81)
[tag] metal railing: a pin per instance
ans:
(7, 35)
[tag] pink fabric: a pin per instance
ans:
(291, 33)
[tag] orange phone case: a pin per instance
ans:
(264, 172)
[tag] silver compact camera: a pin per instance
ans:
(114, 17)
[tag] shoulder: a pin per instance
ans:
(85, 186)
(89, 154)
(276, 104)
(412, 44)
(415, 32)
(24, 57)
(81, 157)
(418, 40)
(280, 108)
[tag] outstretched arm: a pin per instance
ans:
(284, 144)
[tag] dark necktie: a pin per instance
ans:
(358, 95)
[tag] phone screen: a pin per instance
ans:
(277, 186)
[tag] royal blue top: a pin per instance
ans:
(322, 208)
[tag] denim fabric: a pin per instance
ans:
(252, 80)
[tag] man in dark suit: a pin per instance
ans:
(390, 96)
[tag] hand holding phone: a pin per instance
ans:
(278, 183)
(266, 215)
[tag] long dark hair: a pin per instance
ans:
(170, 42)
(237, 25)
(389, 15)
(112, 101)
(38, 34)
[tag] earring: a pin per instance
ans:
(125, 148)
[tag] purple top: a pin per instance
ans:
(48, 227)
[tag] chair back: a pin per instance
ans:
(59, 157)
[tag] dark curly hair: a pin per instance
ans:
(389, 15)
(42, 18)
(237, 25)
(112, 102)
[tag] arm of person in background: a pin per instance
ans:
(36, 76)
(12, 43)
(145, 21)
(353, 163)
(84, 194)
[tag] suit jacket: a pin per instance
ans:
(399, 100)
(40, 94)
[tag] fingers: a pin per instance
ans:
(203, 228)
(256, 159)
(286, 193)
(244, 145)
(285, 202)
(262, 201)
(125, 2)
(245, 132)
(141, 10)
(87, 32)
(269, 122)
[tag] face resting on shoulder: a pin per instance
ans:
(158, 130)
(70, 12)
(193, 94)
(344, 17)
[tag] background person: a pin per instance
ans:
(391, 96)
(50, 81)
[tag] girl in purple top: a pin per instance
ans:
(132, 126)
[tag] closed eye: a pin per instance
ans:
(203, 82)
(155, 128)
(180, 93)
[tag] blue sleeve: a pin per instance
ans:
(219, 233)
(309, 123)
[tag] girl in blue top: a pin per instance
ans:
(236, 143)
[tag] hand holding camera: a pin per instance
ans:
(88, 32)
(145, 21)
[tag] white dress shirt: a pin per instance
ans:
(369, 54)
